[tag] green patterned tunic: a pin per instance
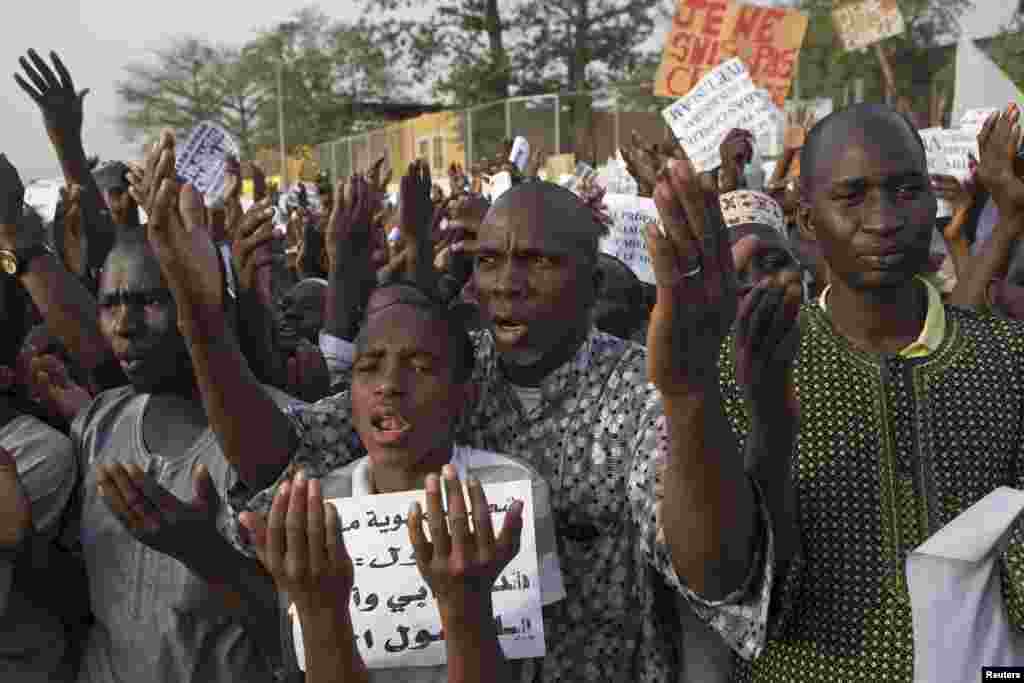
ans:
(889, 450)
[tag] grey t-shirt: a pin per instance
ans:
(155, 620)
(32, 639)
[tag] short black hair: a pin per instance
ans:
(429, 302)
(816, 137)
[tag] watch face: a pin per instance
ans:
(8, 263)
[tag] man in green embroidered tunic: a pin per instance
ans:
(910, 411)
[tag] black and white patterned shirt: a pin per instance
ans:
(598, 438)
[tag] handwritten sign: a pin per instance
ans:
(707, 32)
(974, 119)
(630, 215)
(201, 160)
(724, 99)
(947, 152)
(864, 23)
(394, 615)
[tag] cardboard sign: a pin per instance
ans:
(707, 32)
(394, 615)
(864, 23)
(947, 152)
(201, 160)
(626, 242)
(724, 99)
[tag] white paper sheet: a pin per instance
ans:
(959, 617)
(394, 615)
(626, 240)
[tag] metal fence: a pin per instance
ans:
(590, 125)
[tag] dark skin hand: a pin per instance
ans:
(461, 566)
(61, 106)
(736, 151)
(351, 242)
(710, 518)
(415, 220)
(187, 532)
(15, 507)
(300, 544)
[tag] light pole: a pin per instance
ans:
(280, 122)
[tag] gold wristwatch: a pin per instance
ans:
(15, 263)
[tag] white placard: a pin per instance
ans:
(630, 215)
(724, 99)
(947, 152)
(201, 160)
(394, 616)
(974, 119)
(500, 184)
(520, 154)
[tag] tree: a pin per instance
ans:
(177, 90)
(921, 66)
(1007, 50)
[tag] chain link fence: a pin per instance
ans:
(590, 125)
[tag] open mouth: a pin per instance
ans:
(389, 426)
(509, 329)
(886, 260)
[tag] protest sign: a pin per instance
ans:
(724, 99)
(974, 119)
(394, 616)
(500, 184)
(947, 153)
(201, 160)
(864, 23)
(520, 153)
(707, 32)
(630, 215)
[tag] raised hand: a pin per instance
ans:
(187, 256)
(767, 334)
(55, 95)
(953, 191)
(998, 143)
(415, 219)
(232, 196)
(15, 506)
(73, 242)
(696, 284)
(462, 565)
(798, 124)
(154, 515)
(308, 376)
(301, 546)
(643, 162)
(51, 386)
(736, 151)
(250, 249)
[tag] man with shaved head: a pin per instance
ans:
(910, 410)
(579, 407)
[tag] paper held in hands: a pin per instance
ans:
(394, 616)
(957, 604)
(625, 241)
(202, 159)
(724, 99)
(947, 154)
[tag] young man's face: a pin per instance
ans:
(405, 400)
(123, 210)
(535, 284)
(872, 209)
(301, 315)
(139, 319)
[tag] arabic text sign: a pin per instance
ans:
(200, 160)
(707, 32)
(724, 99)
(626, 242)
(864, 23)
(394, 615)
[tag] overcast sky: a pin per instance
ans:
(96, 38)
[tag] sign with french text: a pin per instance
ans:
(948, 153)
(202, 159)
(724, 99)
(630, 215)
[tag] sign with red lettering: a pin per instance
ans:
(864, 23)
(706, 33)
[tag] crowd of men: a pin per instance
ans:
(728, 469)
